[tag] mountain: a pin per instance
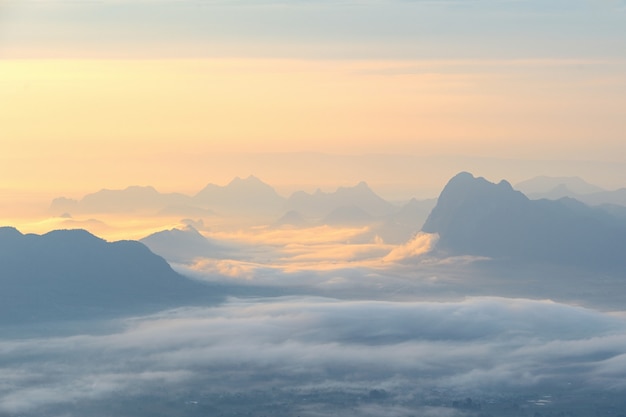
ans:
(402, 225)
(554, 188)
(615, 197)
(348, 216)
(545, 185)
(476, 217)
(291, 219)
(241, 196)
(72, 274)
(320, 204)
(129, 200)
(248, 196)
(182, 245)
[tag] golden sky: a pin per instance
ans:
(110, 94)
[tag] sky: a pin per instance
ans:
(402, 94)
(176, 93)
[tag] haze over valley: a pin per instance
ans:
(479, 302)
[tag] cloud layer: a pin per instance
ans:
(305, 345)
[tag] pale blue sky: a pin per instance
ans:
(318, 29)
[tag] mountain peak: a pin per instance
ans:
(360, 187)
(476, 217)
(467, 206)
(250, 180)
(250, 195)
(148, 189)
(76, 235)
(72, 273)
(463, 176)
(505, 184)
(320, 203)
(9, 231)
(464, 187)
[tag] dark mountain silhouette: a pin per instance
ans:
(129, 200)
(72, 274)
(241, 196)
(320, 204)
(476, 217)
(182, 245)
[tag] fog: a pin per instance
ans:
(306, 345)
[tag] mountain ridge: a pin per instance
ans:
(320, 204)
(72, 273)
(476, 217)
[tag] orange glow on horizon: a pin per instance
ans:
(85, 122)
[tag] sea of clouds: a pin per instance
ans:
(307, 344)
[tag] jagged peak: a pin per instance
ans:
(141, 188)
(361, 186)
(250, 179)
(467, 181)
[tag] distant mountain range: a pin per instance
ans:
(69, 274)
(544, 184)
(240, 196)
(250, 197)
(320, 204)
(133, 199)
(476, 217)
(66, 274)
(554, 188)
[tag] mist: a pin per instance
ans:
(301, 347)
(274, 314)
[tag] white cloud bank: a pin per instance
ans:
(420, 245)
(307, 344)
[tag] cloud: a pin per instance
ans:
(222, 267)
(281, 237)
(278, 256)
(421, 244)
(308, 344)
